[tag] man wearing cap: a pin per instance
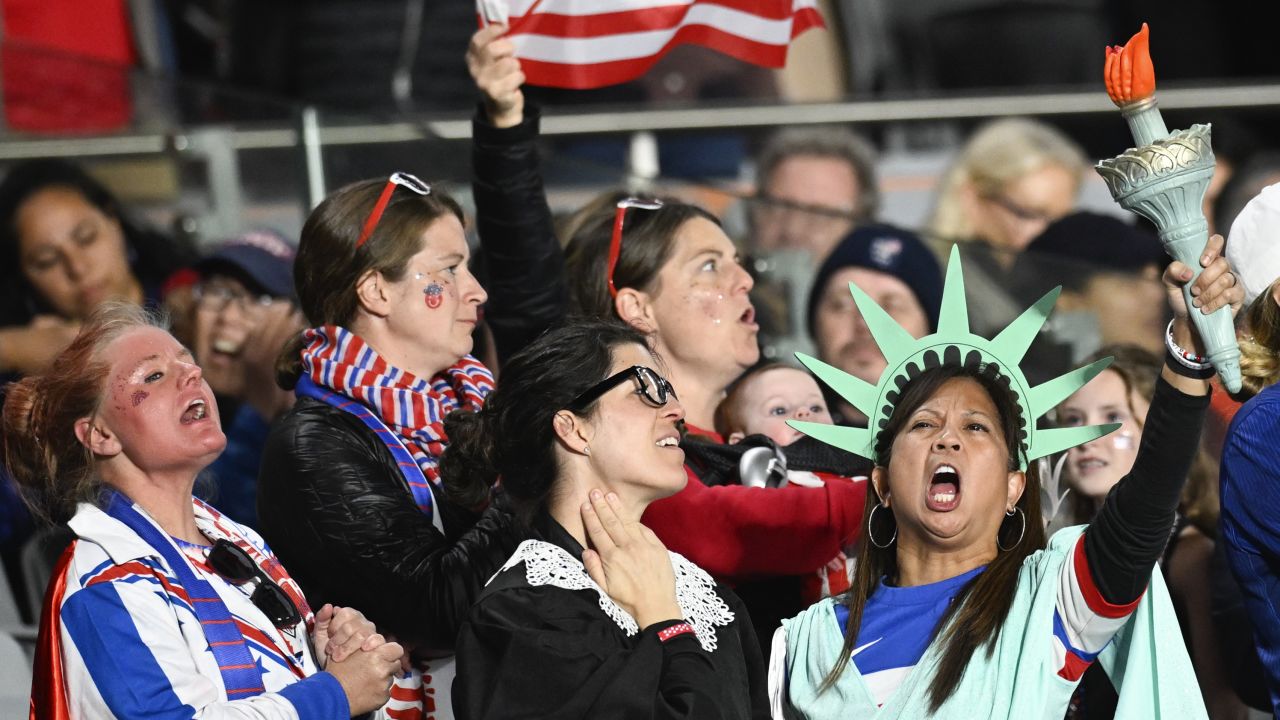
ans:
(899, 272)
(244, 313)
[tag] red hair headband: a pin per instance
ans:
(615, 244)
(397, 178)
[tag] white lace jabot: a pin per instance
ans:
(704, 609)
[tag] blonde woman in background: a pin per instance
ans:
(1122, 394)
(1260, 347)
(1011, 179)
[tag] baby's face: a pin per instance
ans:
(773, 397)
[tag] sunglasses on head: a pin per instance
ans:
(650, 386)
(615, 242)
(397, 179)
(233, 563)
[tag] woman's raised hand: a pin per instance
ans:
(1217, 286)
(629, 562)
(491, 58)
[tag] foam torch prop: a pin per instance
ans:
(1164, 179)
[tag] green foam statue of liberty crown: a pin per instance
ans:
(953, 344)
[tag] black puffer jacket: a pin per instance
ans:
(519, 261)
(332, 502)
(337, 511)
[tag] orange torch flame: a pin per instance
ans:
(1129, 74)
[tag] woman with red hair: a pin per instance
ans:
(162, 605)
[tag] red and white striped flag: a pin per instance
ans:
(582, 44)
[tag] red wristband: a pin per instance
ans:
(674, 631)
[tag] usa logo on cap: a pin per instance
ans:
(885, 251)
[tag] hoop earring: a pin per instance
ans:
(871, 533)
(1021, 533)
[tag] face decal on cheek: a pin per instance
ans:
(433, 295)
(711, 306)
(138, 396)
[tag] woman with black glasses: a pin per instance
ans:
(592, 616)
(162, 606)
(669, 270)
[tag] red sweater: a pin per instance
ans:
(739, 533)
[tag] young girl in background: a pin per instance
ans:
(1122, 394)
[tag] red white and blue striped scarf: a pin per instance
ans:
(337, 359)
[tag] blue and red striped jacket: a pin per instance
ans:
(129, 643)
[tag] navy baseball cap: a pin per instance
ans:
(263, 257)
(1075, 248)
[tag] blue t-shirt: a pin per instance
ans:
(898, 624)
(897, 627)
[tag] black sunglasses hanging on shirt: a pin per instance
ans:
(233, 563)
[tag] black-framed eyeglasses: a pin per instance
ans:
(217, 297)
(401, 179)
(650, 386)
(1024, 214)
(768, 203)
(233, 563)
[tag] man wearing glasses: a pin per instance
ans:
(244, 313)
(814, 185)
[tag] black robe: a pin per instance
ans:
(547, 652)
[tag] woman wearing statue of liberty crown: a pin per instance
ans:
(959, 608)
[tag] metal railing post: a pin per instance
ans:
(312, 156)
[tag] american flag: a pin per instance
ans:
(582, 44)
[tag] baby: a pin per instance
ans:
(760, 403)
(765, 398)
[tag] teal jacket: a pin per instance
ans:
(1147, 661)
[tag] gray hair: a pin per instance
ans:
(828, 141)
